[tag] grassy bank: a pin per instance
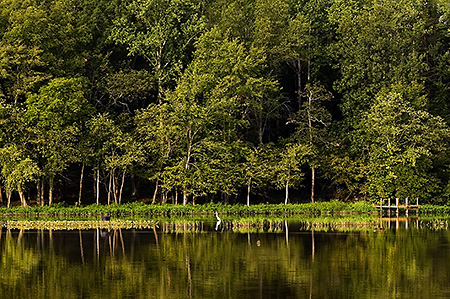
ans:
(434, 209)
(170, 209)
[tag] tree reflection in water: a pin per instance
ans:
(192, 260)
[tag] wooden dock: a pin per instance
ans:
(397, 207)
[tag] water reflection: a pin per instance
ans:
(279, 259)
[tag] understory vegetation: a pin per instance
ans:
(137, 208)
(231, 101)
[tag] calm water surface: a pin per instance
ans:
(402, 260)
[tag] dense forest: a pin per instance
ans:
(226, 100)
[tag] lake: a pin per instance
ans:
(387, 258)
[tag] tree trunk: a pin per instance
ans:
(121, 187)
(261, 124)
(114, 185)
(95, 183)
(81, 185)
(299, 82)
(38, 192)
(22, 197)
(1, 193)
(164, 197)
(176, 197)
(159, 73)
(156, 191)
(8, 196)
(184, 197)
(249, 185)
(50, 191)
(133, 186)
(109, 189)
(287, 193)
(313, 172)
(98, 184)
(42, 192)
(313, 180)
(309, 51)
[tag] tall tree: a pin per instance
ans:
(258, 168)
(313, 126)
(209, 105)
(377, 44)
(57, 114)
(161, 32)
(114, 151)
(21, 55)
(18, 165)
(17, 170)
(288, 168)
(401, 143)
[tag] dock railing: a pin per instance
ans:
(407, 206)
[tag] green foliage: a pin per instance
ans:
(288, 169)
(17, 168)
(348, 175)
(376, 48)
(139, 208)
(159, 31)
(59, 104)
(401, 141)
(223, 99)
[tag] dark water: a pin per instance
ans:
(404, 260)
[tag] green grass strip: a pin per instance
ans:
(171, 209)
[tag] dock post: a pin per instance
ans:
(417, 204)
(396, 203)
(406, 206)
(389, 207)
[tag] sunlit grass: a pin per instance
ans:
(171, 209)
(77, 225)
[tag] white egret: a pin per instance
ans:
(219, 221)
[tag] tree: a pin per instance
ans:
(346, 174)
(401, 140)
(259, 167)
(155, 129)
(17, 170)
(19, 70)
(288, 167)
(377, 44)
(277, 33)
(122, 152)
(41, 40)
(160, 31)
(128, 89)
(214, 97)
(57, 114)
(18, 165)
(115, 151)
(313, 122)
